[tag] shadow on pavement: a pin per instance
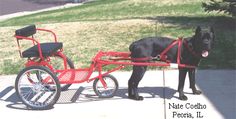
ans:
(7, 96)
(219, 87)
(12, 98)
(86, 94)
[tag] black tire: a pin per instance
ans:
(37, 94)
(64, 87)
(110, 91)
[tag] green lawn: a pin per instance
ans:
(113, 10)
(111, 25)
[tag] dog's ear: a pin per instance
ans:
(212, 32)
(198, 30)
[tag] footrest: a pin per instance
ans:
(73, 76)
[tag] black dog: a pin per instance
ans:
(196, 48)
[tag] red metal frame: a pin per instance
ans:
(54, 35)
(33, 41)
(101, 59)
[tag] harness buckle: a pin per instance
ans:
(158, 57)
(161, 57)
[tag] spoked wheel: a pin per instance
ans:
(108, 91)
(58, 64)
(37, 87)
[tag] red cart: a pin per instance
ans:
(48, 71)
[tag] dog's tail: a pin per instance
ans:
(132, 49)
(132, 46)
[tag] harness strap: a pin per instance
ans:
(162, 56)
(190, 49)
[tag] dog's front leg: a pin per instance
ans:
(191, 73)
(182, 76)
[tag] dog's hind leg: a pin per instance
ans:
(182, 76)
(137, 75)
(191, 73)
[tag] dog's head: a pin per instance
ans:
(203, 41)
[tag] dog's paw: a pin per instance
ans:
(183, 97)
(139, 98)
(197, 92)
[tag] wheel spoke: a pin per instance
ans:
(110, 90)
(28, 94)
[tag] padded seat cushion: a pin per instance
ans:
(47, 49)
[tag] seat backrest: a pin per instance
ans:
(26, 31)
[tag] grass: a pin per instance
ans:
(111, 25)
(110, 10)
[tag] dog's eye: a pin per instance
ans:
(206, 41)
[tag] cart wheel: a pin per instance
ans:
(57, 63)
(112, 86)
(37, 87)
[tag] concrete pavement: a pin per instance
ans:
(218, 100)
(15, 8)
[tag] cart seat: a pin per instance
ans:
(48, 49)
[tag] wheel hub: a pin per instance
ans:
(37, 87)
